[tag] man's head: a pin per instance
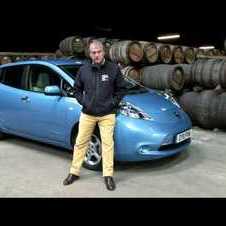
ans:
(96, 51)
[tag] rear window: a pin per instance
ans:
(12, 76)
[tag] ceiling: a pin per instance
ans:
(49, 40)
(138, 20)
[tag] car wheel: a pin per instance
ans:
(93, 157)
(2, 135)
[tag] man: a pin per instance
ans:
(99, 88)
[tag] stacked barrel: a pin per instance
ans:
(206, 109)
(206, 102)
(151, 53)
(163, 77)
(197, 84)
(10, 57)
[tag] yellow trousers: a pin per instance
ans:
(87, 125)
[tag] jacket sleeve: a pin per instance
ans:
(78, 88)
(120, 88)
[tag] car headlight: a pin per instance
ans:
(132, 111)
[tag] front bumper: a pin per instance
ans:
(140, 140)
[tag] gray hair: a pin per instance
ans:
(97, 43)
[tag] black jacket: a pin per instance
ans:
(99, 88)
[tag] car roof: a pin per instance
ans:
(57, 62)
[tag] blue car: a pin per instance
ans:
(37, 102)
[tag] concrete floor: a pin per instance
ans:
(30, 169)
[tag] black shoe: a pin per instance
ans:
(70, 179)
(109, 182)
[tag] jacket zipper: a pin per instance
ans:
(95, 93)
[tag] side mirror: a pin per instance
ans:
(52, 91)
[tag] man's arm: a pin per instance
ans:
(78, 88)
(120, 88)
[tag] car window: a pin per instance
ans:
(67, 89)
(13, 76)
(71, 70)
(42, 76)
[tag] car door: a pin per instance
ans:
(13, 104)
(47, 114)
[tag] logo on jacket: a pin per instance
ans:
(105, 78)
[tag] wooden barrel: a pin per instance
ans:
(210, 52)
(200, 52)
(188, 102)
(189, 54)
(151, 54)
(209, 73)
(206, 109)
(44, 57)
(77, 45)
(59, 53)
(178, 54)
(86, 42)
(18, 58)
(34, 58)
(201, 107)
(163, 77)
(107, 45)
(65, 46)
(165, 53)
(221, 111)
(216, 52)
(72, 45)
(126, 52)
(222, 53)
(188, 81)
(131, 72)
(5, 60)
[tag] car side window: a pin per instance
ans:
(12, 76)
(0, 75)
(67, 89)
(40, 77)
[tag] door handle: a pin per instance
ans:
(25, 98)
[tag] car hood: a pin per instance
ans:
(150, 102)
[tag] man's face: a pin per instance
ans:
(96, 53)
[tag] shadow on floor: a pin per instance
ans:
(193, 154)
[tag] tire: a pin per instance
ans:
(93, 157)
(2, 135)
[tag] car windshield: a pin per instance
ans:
(134, 87)
(71, 70)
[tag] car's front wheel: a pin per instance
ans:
(2, 135)
(93, 157)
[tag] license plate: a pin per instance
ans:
(183, 136)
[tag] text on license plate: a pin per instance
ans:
(183, 136)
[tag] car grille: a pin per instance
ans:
(173, 146)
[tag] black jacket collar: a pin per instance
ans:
(98, 66)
